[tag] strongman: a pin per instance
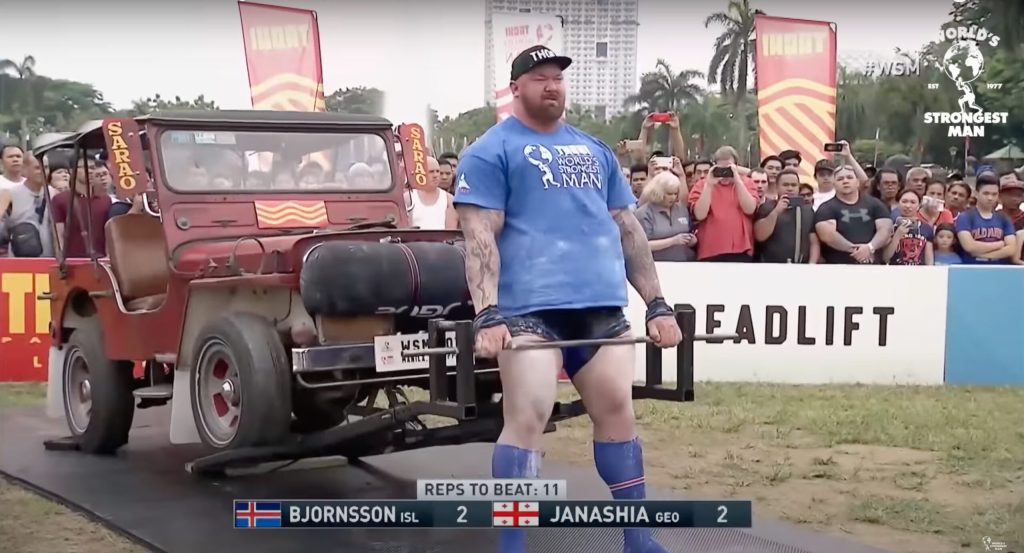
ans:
(551, 240)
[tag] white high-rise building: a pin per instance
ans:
(600, 37)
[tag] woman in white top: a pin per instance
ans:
(432, 208)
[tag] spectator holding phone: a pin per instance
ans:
(911, 242)
(986, 236)
(824, 173)
(784, 228)
(724, 205)
(666, 220)
(852, 227)
(933, 205)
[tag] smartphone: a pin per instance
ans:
(661, 117)
(796, 201)
(634, 145)
(665, 162)
(721, 172)
(833, 147)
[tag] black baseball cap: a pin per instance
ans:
(534, 56)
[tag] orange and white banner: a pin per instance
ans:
(796, 87)
(512, 33)
(282, 54)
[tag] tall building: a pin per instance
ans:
(600, 37)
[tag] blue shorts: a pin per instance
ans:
(595, 323)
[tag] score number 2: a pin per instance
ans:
(462, 514)
(722, 511)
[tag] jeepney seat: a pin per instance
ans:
(138, 259)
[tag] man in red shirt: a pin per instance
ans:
(92, 205)
(724, 206)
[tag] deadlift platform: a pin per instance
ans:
(145, 494)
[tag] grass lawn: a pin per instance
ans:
(929, 469)
(910, 469)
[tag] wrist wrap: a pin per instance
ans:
(487, 318)
(658, 308)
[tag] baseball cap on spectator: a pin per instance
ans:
(823, 167)
(1014, 183)
(534, 56)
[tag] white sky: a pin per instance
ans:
(426, 51)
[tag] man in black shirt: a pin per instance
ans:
(784, 228)
(853, 227)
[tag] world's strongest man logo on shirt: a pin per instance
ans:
(577, 166)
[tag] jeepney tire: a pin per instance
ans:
(110, 385)
(253, 349)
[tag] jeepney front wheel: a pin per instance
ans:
(98, 401)
(241, 383)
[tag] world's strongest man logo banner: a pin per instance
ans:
(282, 55)
(796, 87)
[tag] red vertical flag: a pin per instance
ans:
(796, 87)
(282, 54)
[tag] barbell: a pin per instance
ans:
(558, 344)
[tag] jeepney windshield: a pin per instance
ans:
(249, 161)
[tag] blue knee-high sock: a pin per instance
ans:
(621, 466)
(513, 462)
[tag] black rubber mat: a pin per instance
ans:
(145, 493)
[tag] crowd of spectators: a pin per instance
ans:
(717, 210)
(694, 210)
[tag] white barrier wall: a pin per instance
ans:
(803, 324)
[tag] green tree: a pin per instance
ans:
(24, 103)
(1005, 18)
(1006, 68)
(466, 126)
(32, 103)
(156, 103)
(357, 100)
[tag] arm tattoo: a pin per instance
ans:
(640, 269)
(481, 227)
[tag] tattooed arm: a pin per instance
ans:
(481, 227)
(640, 269)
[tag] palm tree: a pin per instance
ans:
(26, 71)
(664, 90)
(733, 56)
(734, 48)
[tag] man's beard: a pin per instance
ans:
(545, 111)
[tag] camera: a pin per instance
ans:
(722, 172)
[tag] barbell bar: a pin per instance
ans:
(558, 344)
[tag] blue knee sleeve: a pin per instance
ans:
(621, 466)
(513, 462)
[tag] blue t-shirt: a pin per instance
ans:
(560, 247)
(993, 229)
(947, 258)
